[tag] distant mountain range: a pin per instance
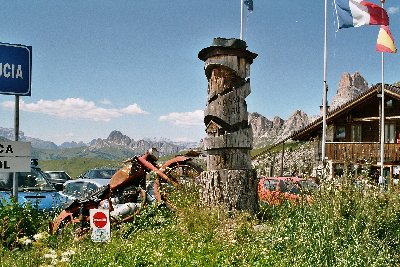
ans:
(115, 146)
(118, 145)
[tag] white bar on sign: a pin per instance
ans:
(15, 149)
(15, 164)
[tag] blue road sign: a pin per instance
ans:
(15, 69)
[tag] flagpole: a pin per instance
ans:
(382, 109)
(241, 18)
(325, 89)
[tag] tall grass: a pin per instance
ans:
(344, 226)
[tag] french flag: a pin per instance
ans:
(355, 13)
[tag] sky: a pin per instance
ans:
(133, 66)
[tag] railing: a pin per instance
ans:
(349, 151)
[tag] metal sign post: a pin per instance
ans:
(15, 79)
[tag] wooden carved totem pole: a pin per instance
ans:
(229, 179)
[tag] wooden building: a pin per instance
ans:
(353, 133)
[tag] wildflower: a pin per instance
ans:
(24, 241)
(50, 256)
(68, 253)
(40, 236)
(64, 259)
(51, 251)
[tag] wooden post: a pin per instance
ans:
(229, 179)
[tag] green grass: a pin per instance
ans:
(254, 153)
(76, 166)
(344, 226)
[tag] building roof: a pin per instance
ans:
(393, 91)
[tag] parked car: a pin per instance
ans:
(80, 188)
(101, 173)
(58, 178)
(275, 190)
(33, 187)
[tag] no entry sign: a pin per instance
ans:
(100, 219)
(100, 224)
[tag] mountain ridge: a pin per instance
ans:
(265, 131)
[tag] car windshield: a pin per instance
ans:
(34, 181)
(102, 174)
(287, 186)
(308, 186)
(270, 184)
(58, 175)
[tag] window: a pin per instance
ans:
(90, 189)
(356, 133)
(270, 184)
(389, 132)
(74, 189)
(389, 103)
(340, 132)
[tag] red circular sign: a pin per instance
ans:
(99, 219)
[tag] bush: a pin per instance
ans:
(344, 226)
(17, 221)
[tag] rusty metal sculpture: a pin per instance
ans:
(125, 196)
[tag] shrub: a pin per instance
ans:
(17, 221)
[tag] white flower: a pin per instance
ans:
(51, 251)
(67, 253)
(50, 256)
(64, 259)
(25, 241)
(40, 236)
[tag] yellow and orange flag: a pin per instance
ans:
(385, 42)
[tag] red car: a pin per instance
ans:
(275, 190)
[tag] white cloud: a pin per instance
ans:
(105, 101)
(393, 10)
(75, 108)
(184, 119)
(133, 110)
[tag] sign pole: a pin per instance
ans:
(324, 93)
(16, 118)
(241, 18)
(382, 111)
(16, 134)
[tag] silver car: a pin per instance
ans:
(81, 188)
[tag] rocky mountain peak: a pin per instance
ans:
(277, 122)
(266, 131)
(350, 86)
(118, 138)
(296, 121)
(259, 123)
